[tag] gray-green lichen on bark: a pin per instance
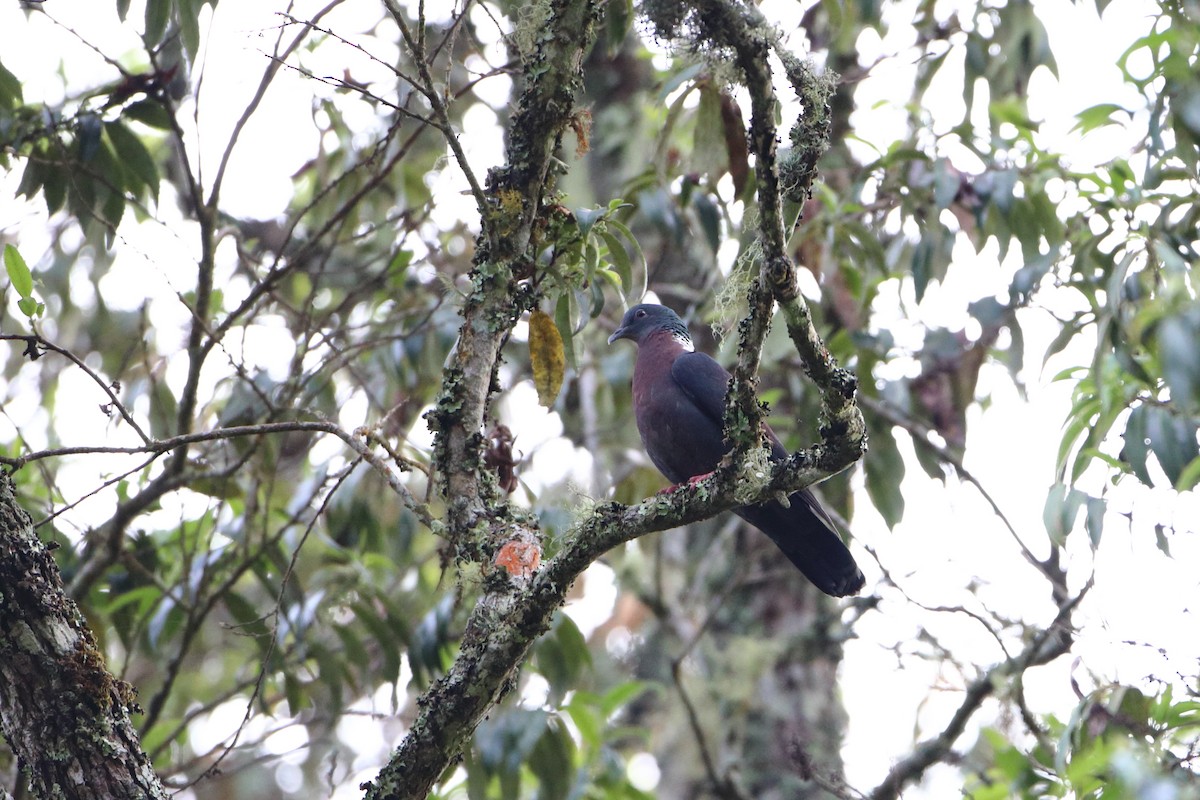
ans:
(62, 712)
(504, 623)
(514, 609)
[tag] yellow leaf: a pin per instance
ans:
(546, 357)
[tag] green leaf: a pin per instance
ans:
(586, 720)
(55, 179)
(885, 471)
(597, 290)
(189, 26)
(709, 217)
(10, 89)
(250, 621)
(1177, 341)
(384, 637)
(31, 178)
(1094, 521)
(505, 740)
(586, 219)
(552, 761)
(922, 266)
(331, 670)
(561, 657)
(88, 134)
(18, 271)
(710, 156)
(621, 695)
(620, 259)
(617, 19)
(29, 307)
(149, 112)
(158, 14)
(591, 258)
(1172, 439)
(563, 314)
(1137, 444)
(355, 653)
(637, 285)
(112, 212)
(946, 183)
(1061, 509)
(144, 597)
(132, 153)
(1189, 476)
(1098, 116)
(294, 692)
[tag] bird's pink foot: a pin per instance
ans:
(692, 481)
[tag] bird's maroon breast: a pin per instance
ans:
(680, 440)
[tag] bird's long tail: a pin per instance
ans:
(808, 537)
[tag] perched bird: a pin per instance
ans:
(679, 402)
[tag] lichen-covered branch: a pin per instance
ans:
(504, 622)
(516, 193)
(62, 712)
(742, 29)
(516, 608)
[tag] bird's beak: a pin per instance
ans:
(619, 333)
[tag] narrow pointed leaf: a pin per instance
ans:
(546, 357)
(18, 271)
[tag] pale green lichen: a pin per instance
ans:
(531, 26)
(729, 302)
(753, 474)
(584, 508)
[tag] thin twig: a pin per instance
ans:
(921, 435)
(265, 82)
(272, 643)
(355, 441)
(416, 47)
(1049, 644)
(114, 402)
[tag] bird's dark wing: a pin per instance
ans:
(679, 414)
(704, 381)
(804, 531)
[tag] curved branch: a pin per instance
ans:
(516, 193)
(518, 606)
(33, 341)
(743, 29)
(1054, 641)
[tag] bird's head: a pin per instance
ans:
(646, 319)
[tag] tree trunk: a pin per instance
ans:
(63, 713)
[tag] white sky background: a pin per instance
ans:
(949, 536)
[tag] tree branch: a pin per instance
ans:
(504, 622)
(1052, 642)
(63, 713)
(518, 607)
(743, 29)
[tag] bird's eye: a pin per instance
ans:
(641, 312)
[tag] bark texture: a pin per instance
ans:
(63, 713)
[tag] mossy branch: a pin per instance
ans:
(62, 712)
(503, 623)
(517, 606)
(741, 29)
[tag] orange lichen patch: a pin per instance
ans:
(519, 557)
